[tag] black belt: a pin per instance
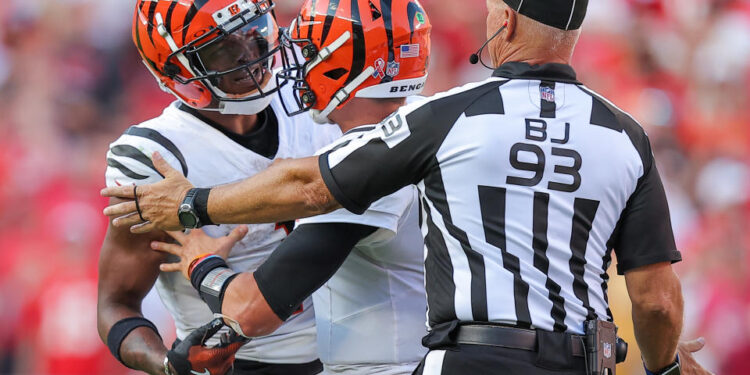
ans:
(509, 337)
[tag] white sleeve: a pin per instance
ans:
(129, 161)
(384, 214)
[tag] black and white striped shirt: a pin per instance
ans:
(528, 181)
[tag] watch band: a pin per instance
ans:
(200, 205)
(672, 369)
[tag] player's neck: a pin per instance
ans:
(363, 111)
(238, 124)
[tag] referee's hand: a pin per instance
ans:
(688, 364)
(150, 207)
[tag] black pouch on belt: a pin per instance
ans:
(554, 350)
(442, 336)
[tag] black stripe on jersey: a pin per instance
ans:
(491, 103)
(548, 107)
(135, 154)
(602, 115)
(150, 18)
(161, 140)
(492, 206)
(435, 192)
(385, 8)
(115, 164)
(333, 6)
(439, 284)
(607, 115)
(584, 211)
(541, 262)
(606, 260)
(359, 51)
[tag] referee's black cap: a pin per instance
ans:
(561, 14)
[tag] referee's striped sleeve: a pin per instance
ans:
(401, 151)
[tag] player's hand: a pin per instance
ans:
(688, 364)
(191, 356)
(194, 244)
(158, 202)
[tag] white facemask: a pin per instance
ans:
(250, 107)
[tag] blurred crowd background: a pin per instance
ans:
(71, 82)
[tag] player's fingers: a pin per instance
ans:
(118, 191)
(163, 167)
(142, 228)
(177, 235)
(170, 267)
(127, 221)
(120, 209)
(166, 247)
(694, 345)
(237, 233)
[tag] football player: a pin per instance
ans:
(217, 58)
(362, 59)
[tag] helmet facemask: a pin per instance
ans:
(233, 61)
(297, 56)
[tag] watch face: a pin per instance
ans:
(188, 220)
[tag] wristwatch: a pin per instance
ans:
(186, 213)
(673, 369)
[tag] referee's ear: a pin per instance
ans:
(510, 19)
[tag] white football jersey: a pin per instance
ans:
(208, 158)
(371, 314)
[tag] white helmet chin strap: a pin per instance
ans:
(249, 107)
(162, 30)
(326, 52)
(321, 117)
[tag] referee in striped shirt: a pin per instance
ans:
(528, 181)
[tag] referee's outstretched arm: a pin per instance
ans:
(657, 312)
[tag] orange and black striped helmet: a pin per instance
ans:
(355, 48)
(211, 54)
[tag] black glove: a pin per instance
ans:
(190, 356)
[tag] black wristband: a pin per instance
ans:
(122, 329)
(200, 205)
(203, 268)
(214, 285)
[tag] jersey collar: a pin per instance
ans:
(545, 72)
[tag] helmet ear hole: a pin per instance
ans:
(309, 51)
(335, 74)
(171, 70)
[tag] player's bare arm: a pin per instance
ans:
(289, 189)
(251, 304)
(127, 271)
(657, 312)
